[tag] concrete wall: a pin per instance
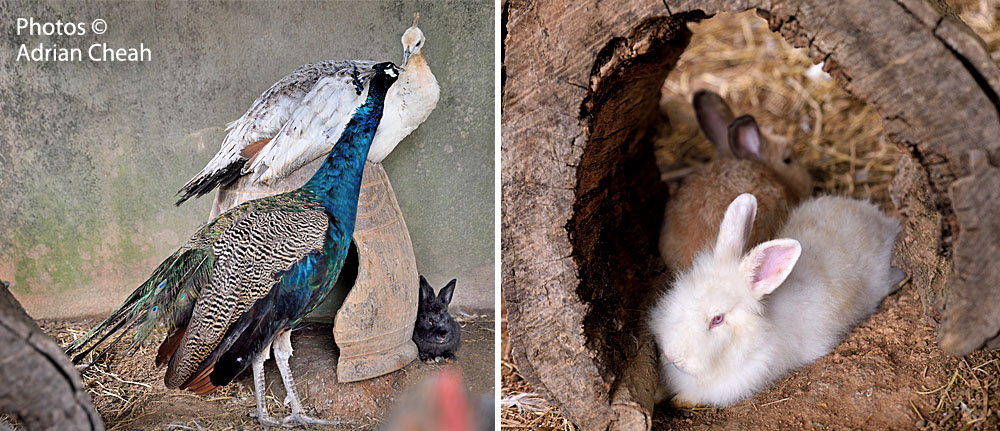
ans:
(91, 153)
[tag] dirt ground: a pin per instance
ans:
(889, 373)
(128, 391)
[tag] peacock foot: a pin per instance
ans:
(265, 420)
(298, 419)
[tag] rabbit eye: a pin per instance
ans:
(716, 321)
(788, 160)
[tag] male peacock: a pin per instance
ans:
(280, 133)
(249, 276)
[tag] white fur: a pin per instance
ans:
(840, 277)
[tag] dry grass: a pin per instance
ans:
(520, 406)
(128, 388)
(128, 391)
(971, 398)
(838, 137)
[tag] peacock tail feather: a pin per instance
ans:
(164, 298)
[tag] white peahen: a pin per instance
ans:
(278, 135)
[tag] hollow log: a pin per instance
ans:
(582, 203)
(38, 384)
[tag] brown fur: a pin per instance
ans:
(692, 217)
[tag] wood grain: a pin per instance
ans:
(38, 383)
(579, 200)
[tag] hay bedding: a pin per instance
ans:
(128, 391)
(889, 373)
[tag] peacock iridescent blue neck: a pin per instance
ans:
(337, 183)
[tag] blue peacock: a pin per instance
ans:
(244, 280)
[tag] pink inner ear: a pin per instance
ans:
(774, 263)
(749, 139)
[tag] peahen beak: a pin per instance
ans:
(406, 56)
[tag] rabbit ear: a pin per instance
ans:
(714, 117)
(744, 138)
(447, 291)
(426, 292)
(769, 263)
(736, 224)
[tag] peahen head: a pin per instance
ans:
(337, 182)
(413, 41)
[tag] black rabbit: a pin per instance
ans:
(436, 333)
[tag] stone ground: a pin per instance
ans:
(129, 392)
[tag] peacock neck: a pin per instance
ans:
(337, 183)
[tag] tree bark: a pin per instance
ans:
(581, 200)
(38, 384)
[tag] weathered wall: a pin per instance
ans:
(91, 153)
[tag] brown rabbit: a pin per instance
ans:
(744, 163)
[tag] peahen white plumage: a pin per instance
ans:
(278, 134)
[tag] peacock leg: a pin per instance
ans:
(258, 389)
(283, 351)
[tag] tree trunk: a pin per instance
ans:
(38, 384)
(582, 201)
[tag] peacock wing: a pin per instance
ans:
(299, 290)
(315, 125)
(165, 298)
(249, 257)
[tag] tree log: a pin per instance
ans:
(38, 384)
(582, 203)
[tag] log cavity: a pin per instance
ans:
(619, 196)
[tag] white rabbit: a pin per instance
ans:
(734, 323)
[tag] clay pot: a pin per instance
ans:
(374, 326)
